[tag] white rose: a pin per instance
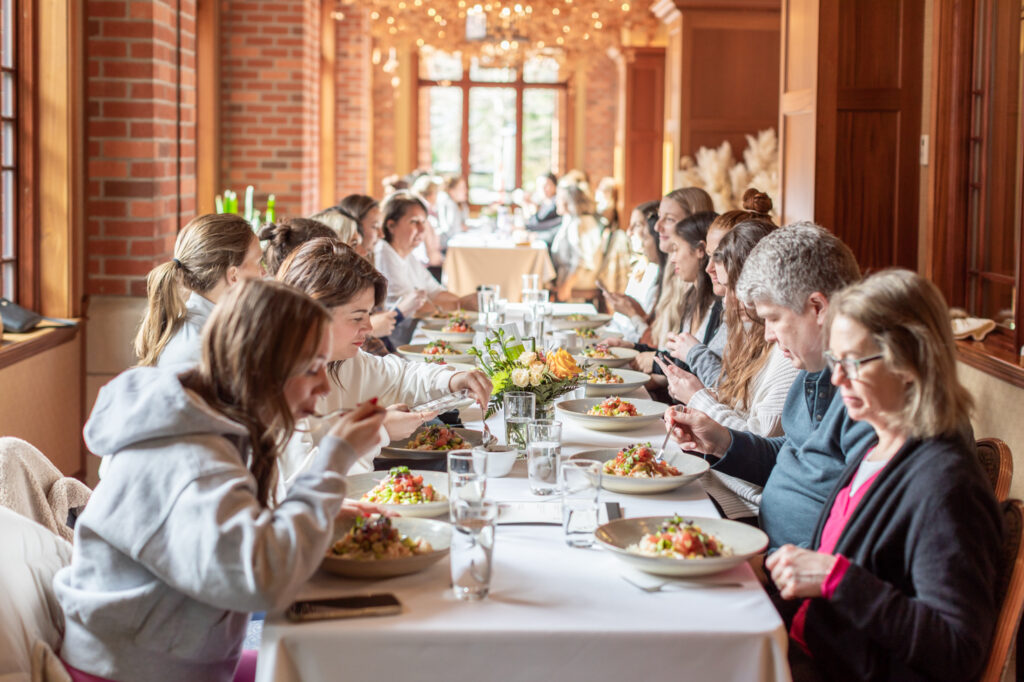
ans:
(536, 375)
(526, 359)
(521, 377)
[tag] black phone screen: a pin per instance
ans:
(345, 607)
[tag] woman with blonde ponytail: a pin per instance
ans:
(211, 254)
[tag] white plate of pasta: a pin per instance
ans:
(612, 414)
(433, 442)
(681, 546)
(403, 491)
(634, 471)
(603, 381)
(382, 547)
(610, 356)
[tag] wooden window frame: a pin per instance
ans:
(948, 237)
(520, 86)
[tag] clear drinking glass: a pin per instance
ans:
(485, 297)
(466, 481)
(520, 408)
(531, 282)
(391, 301)
(533, 324)
(472, 548)
(579, 481)
(543, 450)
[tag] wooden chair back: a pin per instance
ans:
(997, 461)
(1010, 593)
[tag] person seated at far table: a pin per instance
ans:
(789, 278)
(183, 538)
(404, 218)
(901, 582)
(545, 219)
(634, 309)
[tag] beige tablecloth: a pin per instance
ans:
(471, 262)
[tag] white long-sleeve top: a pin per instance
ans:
(404, 275)
(768, 391)
(643, 287)
(391, 379)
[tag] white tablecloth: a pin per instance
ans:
(474, 259)
(554, 612)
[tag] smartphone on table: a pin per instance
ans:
(384, 604)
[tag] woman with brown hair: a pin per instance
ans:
(337, 277)
(404, 218)
(345, 227)
(576, 248)
(284, 237)
(182, 539)
(365, 211)
(213, 252)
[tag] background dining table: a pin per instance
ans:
(554, 612)
(477, 257)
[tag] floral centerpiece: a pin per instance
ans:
(547, 375)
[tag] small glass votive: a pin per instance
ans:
(519, 411)
(543, 449)
(466, 481)
(579, 481)
(472, 548)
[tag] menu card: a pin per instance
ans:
(535, 513)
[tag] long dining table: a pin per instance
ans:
(554, 612)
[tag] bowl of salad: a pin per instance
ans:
(433, 442)
(609, 356)
(604, 381)
(456, 330)
(634, 470)
(681, 545)
(612, 414)
(403, 491)
(579, 320)
(446, 350)
(382, 547)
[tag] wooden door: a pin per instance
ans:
(644, 126)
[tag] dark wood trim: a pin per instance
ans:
(28, 188)
(18, 347)
(991, 359)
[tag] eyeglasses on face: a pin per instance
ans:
(851, 366)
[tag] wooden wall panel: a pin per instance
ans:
(730, 81)
(797, 159)
(797, 121)
(644, 126)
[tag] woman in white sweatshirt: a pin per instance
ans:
(182, 540)
(212, 253)
(349, 287)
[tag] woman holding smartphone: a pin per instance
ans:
(182, 539)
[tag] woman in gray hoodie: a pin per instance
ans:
(182, 540)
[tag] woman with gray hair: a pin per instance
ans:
(901, 585)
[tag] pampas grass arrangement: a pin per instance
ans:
(717, 172)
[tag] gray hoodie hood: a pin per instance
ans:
(148, 403)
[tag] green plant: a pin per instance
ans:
(228, 203)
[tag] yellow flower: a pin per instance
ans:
(562, 365)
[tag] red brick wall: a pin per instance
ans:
(602, 87)
(140, 128)
(269, 114)
(353, 102)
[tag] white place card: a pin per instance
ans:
(534, 513)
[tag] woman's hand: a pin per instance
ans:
(401, 423)
(694, 430)
(681, 384)
(615, 341)
(644, 362)
(352, 509)
(799, 573)
(410, 303)
(621, 303)
(383, 323)
(360, 428)
(678, 345)
(474, 381)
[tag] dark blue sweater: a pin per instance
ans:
(798, 470)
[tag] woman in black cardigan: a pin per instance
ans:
(902, 585)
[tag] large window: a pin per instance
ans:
(8, 151)
(501, 127)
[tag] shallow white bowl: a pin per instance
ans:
(415, 352)
(593, 321)
(621, 357)
(472, 438)
(437, 533)
(454, 337)
(690, 469)
(745, 541)
(632, 380)
(360, 484)
(499, 460)
(576, 410)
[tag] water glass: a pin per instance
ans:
(466, 481)
(531, 282)
(533, 325)
(520, 407)
(391, 301)
(579, 481)
(485, 297)
(543, 450)
(472, 548)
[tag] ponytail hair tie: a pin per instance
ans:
(177, 263)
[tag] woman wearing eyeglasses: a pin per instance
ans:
(901, 584)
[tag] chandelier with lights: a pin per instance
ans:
(506, 32)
